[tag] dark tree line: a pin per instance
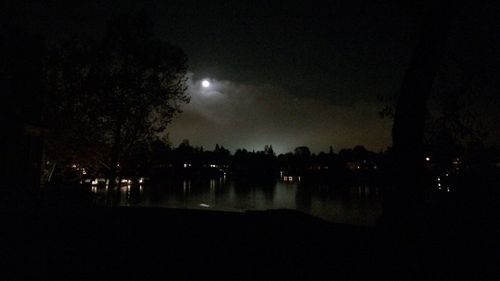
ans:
(161, 160)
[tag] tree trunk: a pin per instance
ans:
(115, 161)
(405, 195)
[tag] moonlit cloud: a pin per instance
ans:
(251, 116)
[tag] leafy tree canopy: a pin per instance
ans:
(109, 97)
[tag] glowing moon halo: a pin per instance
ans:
(205, 83)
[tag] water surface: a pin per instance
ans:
(355, 204)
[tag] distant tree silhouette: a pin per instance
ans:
(268, 149)
(112, 97)
(302, 151)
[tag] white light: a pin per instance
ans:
(205, 83)
(427, 159)
(204, 205)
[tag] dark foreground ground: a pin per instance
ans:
(169, 244)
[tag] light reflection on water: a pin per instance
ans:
(342, 204)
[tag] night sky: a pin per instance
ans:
(288, 73)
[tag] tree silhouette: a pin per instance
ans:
(405, 195)
(21, 99)
(111, 97)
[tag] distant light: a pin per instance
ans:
(204, 205)
(427, 159)
(205, 83)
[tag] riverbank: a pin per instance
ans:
(174, 244)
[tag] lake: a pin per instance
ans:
(354, 204)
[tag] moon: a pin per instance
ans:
(205, 83)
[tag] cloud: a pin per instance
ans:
(239, 115)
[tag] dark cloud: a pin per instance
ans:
(291, 72)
